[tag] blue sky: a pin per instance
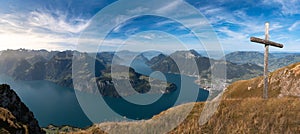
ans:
(57, 24)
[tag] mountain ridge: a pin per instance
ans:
(204, 66)
(276, 60)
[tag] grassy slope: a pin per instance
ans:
(252, 115)
(248, 116)
(241, 111)
(282, 82)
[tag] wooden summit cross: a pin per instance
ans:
(267, 43)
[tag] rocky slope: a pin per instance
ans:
(282, 83)
(15, 117)
(9, 123)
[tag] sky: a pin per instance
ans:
(61, 25)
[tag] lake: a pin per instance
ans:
(53, 104)
(50, 103)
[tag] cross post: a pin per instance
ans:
(267, 43)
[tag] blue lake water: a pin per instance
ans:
(50, 103)
(53, 104)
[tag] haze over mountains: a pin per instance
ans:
(204, 66)
(276, 60)
(57, 67)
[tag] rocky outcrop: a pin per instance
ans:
(287, 80)
(9, 123)
(18, 115)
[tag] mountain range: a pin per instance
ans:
(204, 65)
(276, 60)
(57, 67)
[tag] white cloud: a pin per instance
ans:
(138, 10)
(166, 22)
(288, 7)
(170, 8)
(239, 19)
(233, 34)
(294, 26)
(149, 36)
(211, 10)
(57, 22)
(33, 40)
(40, 30)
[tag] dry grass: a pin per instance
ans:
(248, 116)
(282, 82)
(252, 115)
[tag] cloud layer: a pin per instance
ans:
(57, 27)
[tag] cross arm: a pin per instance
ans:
(266, 42)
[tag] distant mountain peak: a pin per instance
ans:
(186, 53)
(194, 52)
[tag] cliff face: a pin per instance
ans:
(15, 115)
